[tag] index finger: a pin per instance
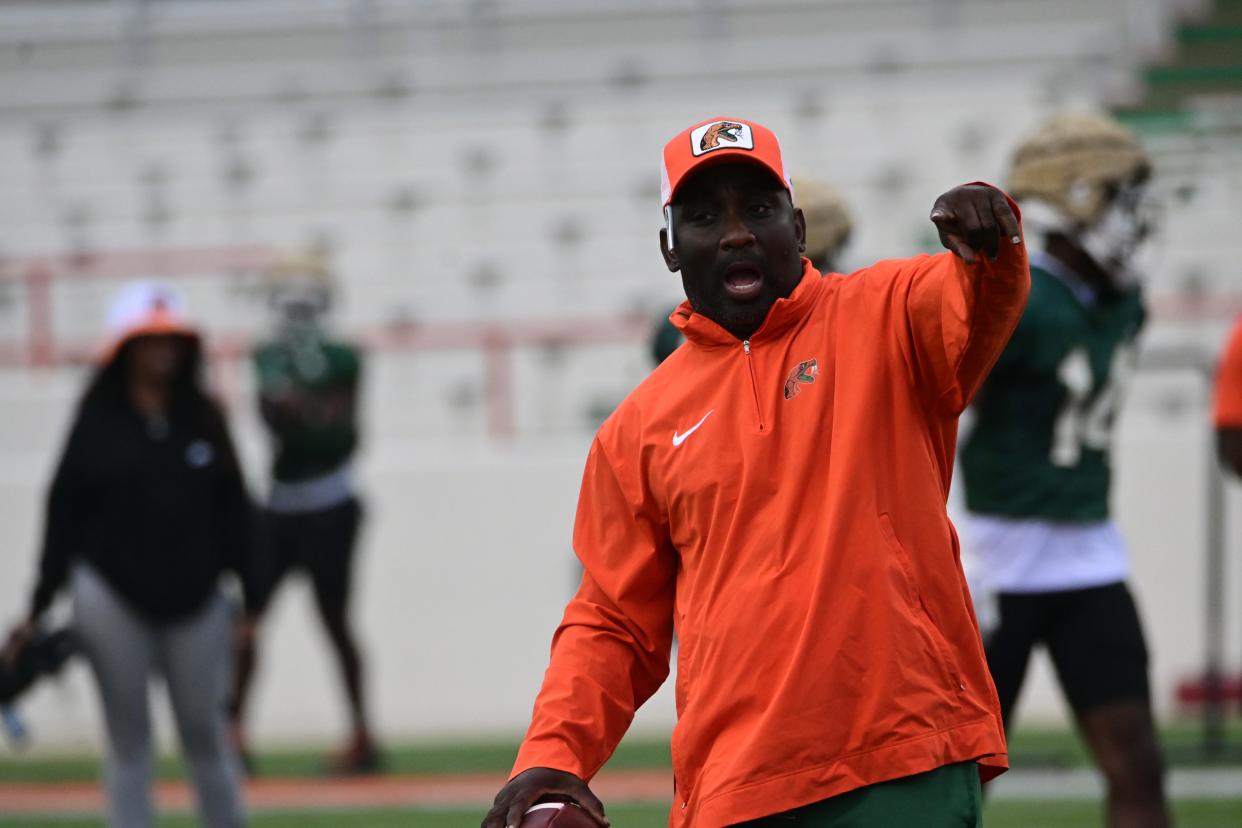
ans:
(1005, 218)
(518, 807)
(498, 816)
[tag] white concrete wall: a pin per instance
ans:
(466, 563)
(464, 568)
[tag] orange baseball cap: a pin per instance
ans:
(714, 141)
(146, 308)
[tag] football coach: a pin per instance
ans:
(774, 493)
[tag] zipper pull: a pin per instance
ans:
(746, 346)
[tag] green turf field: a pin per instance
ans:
(1018, 814)
(1029, 748)
(1032, 747)
(458, 757)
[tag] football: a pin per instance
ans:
(557, 815)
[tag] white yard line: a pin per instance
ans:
(1183, 783)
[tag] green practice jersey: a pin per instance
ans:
(1044, 417)
(308, 396)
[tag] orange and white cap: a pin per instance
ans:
(145, 309)
(715, 141)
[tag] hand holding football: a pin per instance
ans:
(524, 801)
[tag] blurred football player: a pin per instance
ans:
(828, 223)
(308, 398)
(828, 229)
(1227, 416)
(1036, 464)
(1227, 410)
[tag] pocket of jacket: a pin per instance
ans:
(939, 644)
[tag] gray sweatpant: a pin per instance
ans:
(195, 658)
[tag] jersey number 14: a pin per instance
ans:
(1086, 419)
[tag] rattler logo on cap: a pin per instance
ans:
(721, 135)
(731, 138)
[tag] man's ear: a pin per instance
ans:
(800, 229)
(671, 259)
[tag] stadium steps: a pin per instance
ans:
(1205, 71)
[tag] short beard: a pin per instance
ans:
(741, 320)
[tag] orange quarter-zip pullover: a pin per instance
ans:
(780, 503)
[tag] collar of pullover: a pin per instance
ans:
(783, 314)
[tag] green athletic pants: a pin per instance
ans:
(947, 797)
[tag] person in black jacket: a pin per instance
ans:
(147, 510)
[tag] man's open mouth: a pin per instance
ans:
(743, 281)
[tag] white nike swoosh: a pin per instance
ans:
(678, 439)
